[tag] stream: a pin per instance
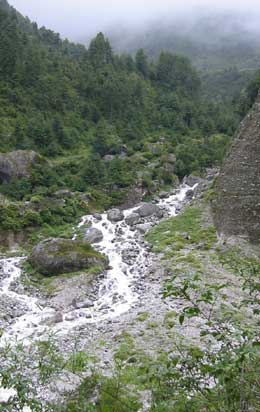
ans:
(117, 292)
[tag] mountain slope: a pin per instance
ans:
(77, 106)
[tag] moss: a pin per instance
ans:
(142, 316)
(82, 249)
(48, 285)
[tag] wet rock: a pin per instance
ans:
(97, 216)
(149, 209)
(143, 228)
(93, 235)
(115, 215)
(57, 256)
(71, 316)
(132, 219)
(163, 195)
(11, 308)
(192, 180)
(189, 194)
(83, 305)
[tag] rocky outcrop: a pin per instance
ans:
(57, 256)
(236, 204)
(18, 164)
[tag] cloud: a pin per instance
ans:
(77, 18)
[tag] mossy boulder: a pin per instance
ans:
(56, 256)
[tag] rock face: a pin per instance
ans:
(236, 207)
(57, 256)
(93, 235)
(115, 215)
(17, 164)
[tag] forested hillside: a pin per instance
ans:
(106, 122)
(224, 47)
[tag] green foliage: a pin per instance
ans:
(14, 217)
(77, 105)
(185, 229)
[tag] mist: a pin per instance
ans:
(79, 20)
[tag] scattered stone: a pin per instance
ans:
(66, 383)
(83, 305)
(50, 319)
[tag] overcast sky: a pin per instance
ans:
(78, 18)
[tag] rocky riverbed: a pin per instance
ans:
(106, 308)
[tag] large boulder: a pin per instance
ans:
(57, 256)
(115, 215)
(18, 164)
(132, 219)
(236, 203)
(92, 235)
(149, 209)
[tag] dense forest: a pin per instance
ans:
(224, 47)
(105, 121)
(145, 306)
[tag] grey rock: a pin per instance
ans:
(84, 305)
(143, 228)
(71, 316)
(51, 319)
(17, 164)
(115, 215)
(163, 195)
(93, 235)
(236, 203)
(97, 216)
(63, 193)
(109, 158)
(192, 180)
(66, 383)
(132, 219)
(190, 194)
(149, 209)
(57, 256)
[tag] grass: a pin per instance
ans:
(182, 231)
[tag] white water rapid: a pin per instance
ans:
(117, 292)
(127, 253)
